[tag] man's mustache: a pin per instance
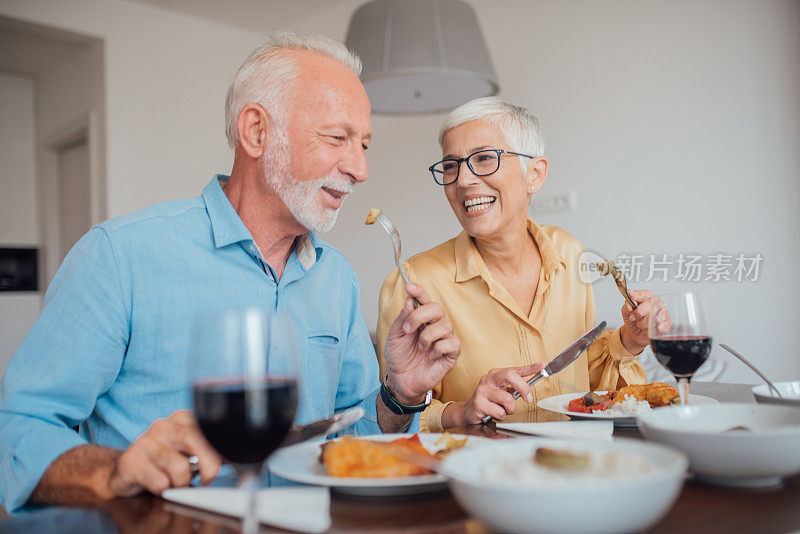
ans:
(337, 183)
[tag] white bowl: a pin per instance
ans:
(737, 458)
(789, 390)
(618, 503)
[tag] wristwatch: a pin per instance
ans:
(398, 407)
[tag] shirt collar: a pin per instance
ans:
(309, 249)
(469, 263)
(551, 257)
(228, 228)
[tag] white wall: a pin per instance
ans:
(165, 80)
(18, 310)
(676, 123)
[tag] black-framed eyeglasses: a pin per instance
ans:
(481, 163)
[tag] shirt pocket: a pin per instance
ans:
(321, 369)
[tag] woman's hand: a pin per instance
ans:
(633, 334)
(494, 395)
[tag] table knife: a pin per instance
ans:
(563, 360)
(325, 427)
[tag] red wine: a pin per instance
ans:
(682, 355)
(243, 421)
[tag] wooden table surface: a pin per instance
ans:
(699, 508)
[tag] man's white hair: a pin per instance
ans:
(267, 75)
(519, 127)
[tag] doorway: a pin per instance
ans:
(73, 191)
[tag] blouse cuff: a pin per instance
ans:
(430, 420)
(617, 349)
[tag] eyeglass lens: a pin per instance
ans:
(481, 163)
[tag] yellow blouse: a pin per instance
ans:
(495, 332)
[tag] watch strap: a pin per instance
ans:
(398, 407)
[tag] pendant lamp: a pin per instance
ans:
(420, 56)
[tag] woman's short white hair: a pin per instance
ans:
(266, 76)
(519, 127)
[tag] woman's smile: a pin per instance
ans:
(478, 205)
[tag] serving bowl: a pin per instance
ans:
(721, 452)
(789, 390)
(624, 502)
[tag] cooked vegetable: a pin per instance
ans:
(592, 398)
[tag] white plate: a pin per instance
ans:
(559, 404)
(789, 390)
(300, 463)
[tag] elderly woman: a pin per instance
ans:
(509, 286)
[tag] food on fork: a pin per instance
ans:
(607, 267)
(372, 215)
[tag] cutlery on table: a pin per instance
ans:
(563, 360)
(744, 360)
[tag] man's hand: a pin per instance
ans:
(158, 459)
(420, 348)
(633, 334)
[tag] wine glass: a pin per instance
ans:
(245, 373)
(679, 337)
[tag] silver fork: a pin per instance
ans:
(607, 267)
(395, 236)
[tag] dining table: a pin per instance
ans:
(699, 507)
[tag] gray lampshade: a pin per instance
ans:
(421, 56)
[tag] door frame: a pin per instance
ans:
(84, 126)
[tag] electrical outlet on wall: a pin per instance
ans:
(558, 203)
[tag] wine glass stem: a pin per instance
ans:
(248, 482)
(683, 384)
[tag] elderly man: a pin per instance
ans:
(109, 352)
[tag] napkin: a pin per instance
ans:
(302, 509)
(564, 429)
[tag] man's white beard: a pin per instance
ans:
(300, 196)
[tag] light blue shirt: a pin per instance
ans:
(109, 352)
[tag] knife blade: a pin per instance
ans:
(298, 434)
(564, 359)
(331, 425)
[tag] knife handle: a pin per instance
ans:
(531, 381)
